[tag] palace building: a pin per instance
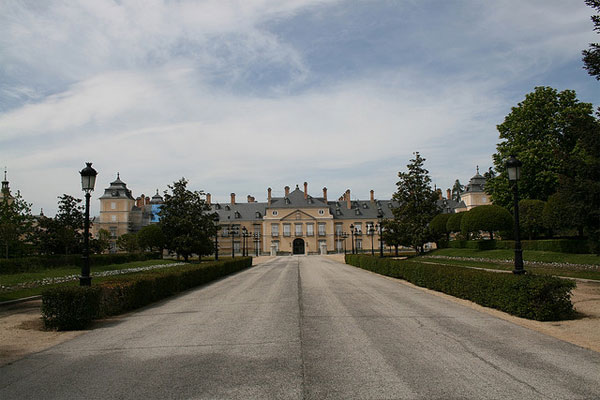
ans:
(299, 223)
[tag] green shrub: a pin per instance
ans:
(488, 218)
(70, 307)
(572, 246)
(32, 264)
(454, 221)
(539, 297)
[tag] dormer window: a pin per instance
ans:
(227, 208)
(287, 201)
(238, 215)
(321, 212)
(257, 214)
(365, 205)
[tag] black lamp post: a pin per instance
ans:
(352, 235)
(513, 166)
(232, 232)
(356, 233)
(256, 242)
(344, 237)
(372, 234)
(88, 181)
(380, 219)
(245, 236)
(216, 220)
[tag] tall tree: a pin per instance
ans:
(591, 56)
(417, 203)
(64, 233)
(185, 221)
(457, 190)
(16, 225)
(151, 237)
(545, 124)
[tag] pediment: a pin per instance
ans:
(297, 215)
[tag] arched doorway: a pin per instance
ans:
(298, 246)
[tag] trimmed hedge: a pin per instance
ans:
(69, 307)
(571, 246)
(539, 297)
(32, 264)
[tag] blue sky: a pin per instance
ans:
(238, 96)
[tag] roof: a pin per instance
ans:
(255, 211)
(117, 190)
(476, 183)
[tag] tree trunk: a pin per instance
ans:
(396, 246)
(491, 235)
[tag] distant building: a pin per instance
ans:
(120, 213)
(474, 194)
(5, 191)
(299, 223)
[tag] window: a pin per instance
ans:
(274, 212)
(339, 244)
(358, 227)
(321, 212)
(287, 230)
(113, 218)
(310, 229)
(298, 229)
(274, 229)
(321, 229)
(113, 205)
(368, 227)
(113, 231)
(275, 244)
(338, 229)
(236, 247)
(483, 199)
(358, 244)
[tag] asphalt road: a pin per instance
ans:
(307, 327)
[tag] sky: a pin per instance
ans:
(239, 96)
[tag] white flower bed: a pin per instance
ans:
(68, 278)
(587, 267)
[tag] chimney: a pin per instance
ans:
(305, 190)
(348, 201)
(138, 202)
(287, 191)
(449, 194)
(439, 191)
(372, 196)
(147, 200)
(250, 199)
(208, 198)
(269, 196)
(232, 199)
(325, 194)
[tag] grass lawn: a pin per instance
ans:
(14, 279)
(495, 256)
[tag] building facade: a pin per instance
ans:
(121, 213)
(299, 223)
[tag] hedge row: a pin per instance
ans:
(539, 297)
(31, 264)
(572, 246)
(67, 308)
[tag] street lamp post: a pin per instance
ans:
(232, 232)
(513, 166)
(380, 219)
(352, 235)
(88, 180)
(216, 220)
(344, 237)
(372, 234)
(245, 236)
(356, 233)
(256, 242)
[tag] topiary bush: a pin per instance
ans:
(488, 218)
(454, 221)
(70, 307)
(539, 297)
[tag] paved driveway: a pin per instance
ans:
(307, 327)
